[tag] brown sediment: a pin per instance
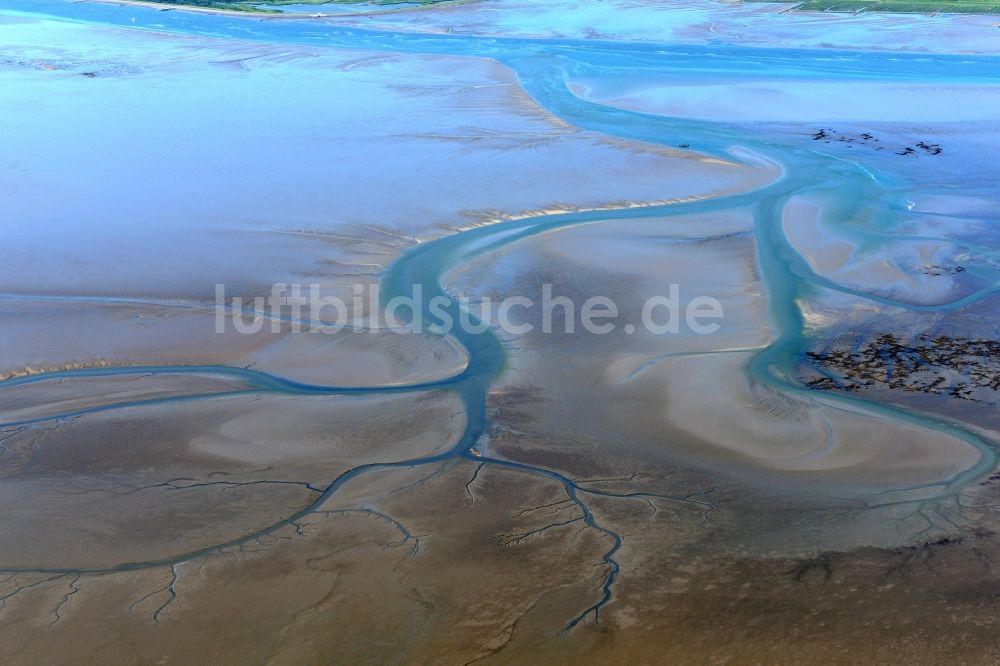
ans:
(346, 582)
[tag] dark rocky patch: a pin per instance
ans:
(868, 139)
(933, 269)
(963, 368)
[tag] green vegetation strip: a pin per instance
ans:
(275, 5)
(899, 6)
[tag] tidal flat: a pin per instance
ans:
(814, 481)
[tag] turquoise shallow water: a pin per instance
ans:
(854, 190)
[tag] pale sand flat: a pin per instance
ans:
(795, 100)
(156, 481)
(123, 335)
(890, 268)
(710, 398)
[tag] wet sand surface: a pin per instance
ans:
(813, 482)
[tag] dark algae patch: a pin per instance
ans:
(964, 368)
(899, 6)
(869, 140)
